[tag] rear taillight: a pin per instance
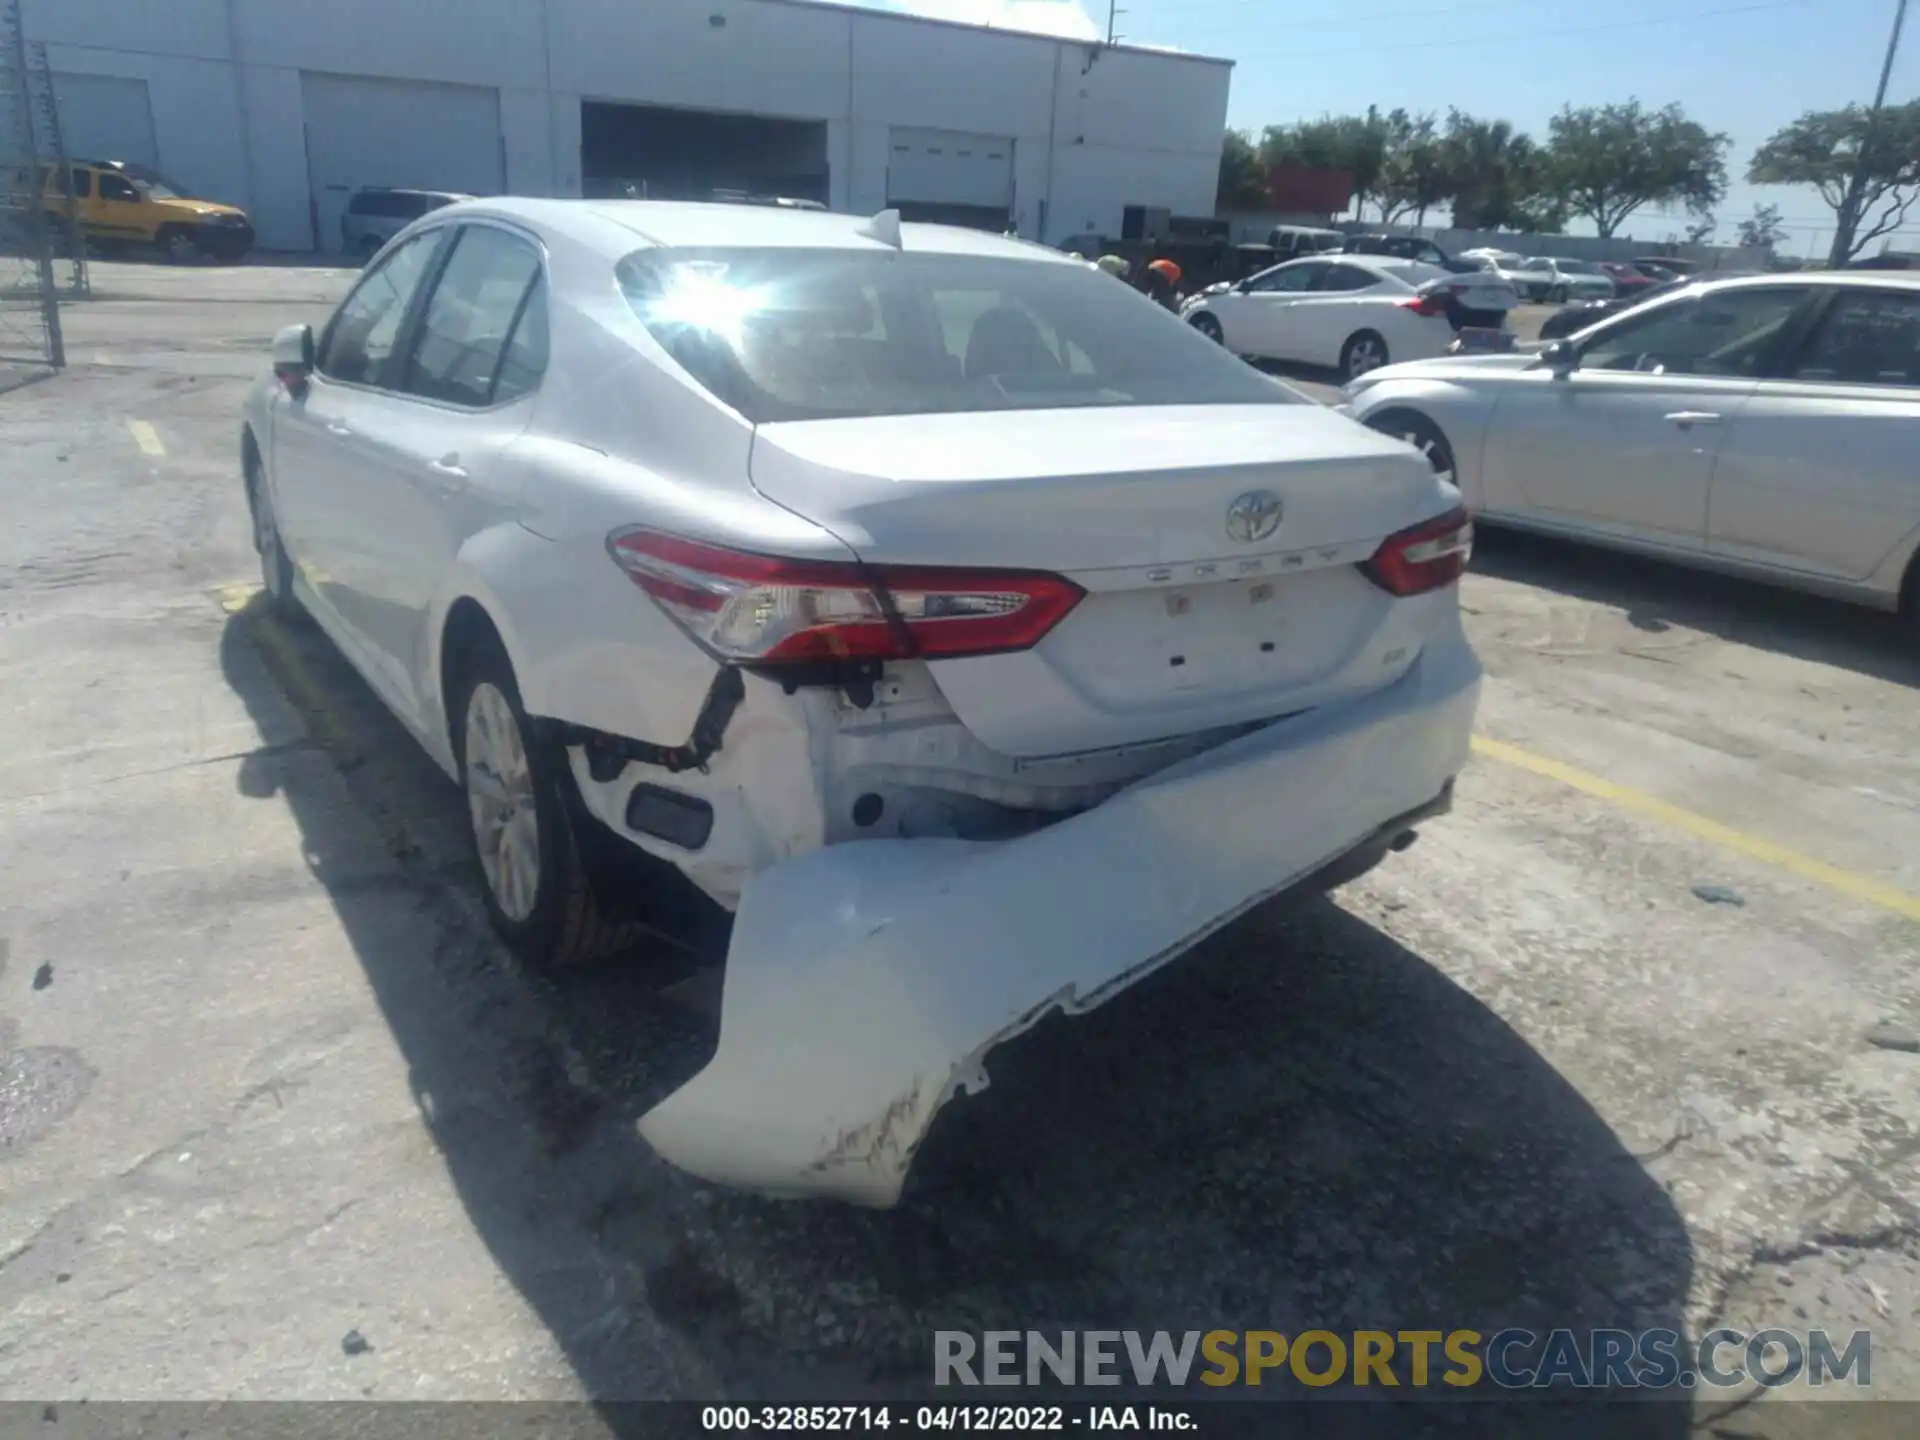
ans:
(764, 610)
(1425, 304)
(1424, 557)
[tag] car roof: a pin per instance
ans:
(1844, 279)
(616, 228)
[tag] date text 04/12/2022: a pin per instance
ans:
(1002, 1419)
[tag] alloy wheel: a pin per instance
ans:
(501, 803)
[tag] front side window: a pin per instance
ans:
(793, 334)
(1289, 279)
(360, 340)
(112, 187)
(471, 315)
(1867, 337)
(1727, 334)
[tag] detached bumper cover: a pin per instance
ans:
(866, 981)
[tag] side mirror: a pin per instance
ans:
(293, 357)
(1560, 357)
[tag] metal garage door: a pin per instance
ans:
(362, 131)
(105, 117)
(950, 175)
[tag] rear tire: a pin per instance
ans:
(1557, 295)
(533, 881)
(1363, 351)
(1209, 325)
(1422, 434)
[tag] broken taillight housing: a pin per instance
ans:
(766, 610)
(1423, 557)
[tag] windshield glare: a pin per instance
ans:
(796, 334)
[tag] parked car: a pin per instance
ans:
(1290, 242)
(121, 206)
(1887, 260)
(1487, 254)
(1663, 267)
(1578, 315)
(729, 537)
(1531, 275)
(1571, 279)
(377, 213)
(1352, 312)
(1628, 279)
(1408, 247)
(1764, 426)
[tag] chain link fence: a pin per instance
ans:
(41, 256)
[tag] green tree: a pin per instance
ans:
(1493, 172)
(1415, 169)
(1860, 165)
(1243, 179)
(1607, 161)
(1762, 230)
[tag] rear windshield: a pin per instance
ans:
(1580, 267)
(796, 334)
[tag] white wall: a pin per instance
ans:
(1093, 129)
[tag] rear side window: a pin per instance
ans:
(471, 316)
(1347, 277)
(1867, 337)
(793, 334)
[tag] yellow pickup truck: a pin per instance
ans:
(128, 205)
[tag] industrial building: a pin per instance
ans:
(285, 109)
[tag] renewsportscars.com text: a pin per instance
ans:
(1511, 1359)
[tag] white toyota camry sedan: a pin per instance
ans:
(976, 633)
(1766, 426)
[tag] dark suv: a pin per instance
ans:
(1408, 247)
(376, 214)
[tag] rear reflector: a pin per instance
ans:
(1423, 557)
(765, 610)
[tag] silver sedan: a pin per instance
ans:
(1764, 426)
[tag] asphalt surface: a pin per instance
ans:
(265, 1079)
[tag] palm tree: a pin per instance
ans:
(1494, 172)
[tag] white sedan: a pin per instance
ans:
(1350, 312)
(1569, 279)
(1764, 426)
(976, 633)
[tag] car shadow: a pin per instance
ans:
(1304, 1124)
(1656, 596)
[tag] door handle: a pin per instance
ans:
(449, 466)
(1687, 419)
(334, 427)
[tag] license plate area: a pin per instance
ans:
(1217, 638)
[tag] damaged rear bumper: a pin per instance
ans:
(866, 981)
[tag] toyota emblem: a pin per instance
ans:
(1253, 516)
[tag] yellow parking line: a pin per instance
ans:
(236, 597)
(1857, 887)
(146, 438)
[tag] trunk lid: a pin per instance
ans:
(1184, 625)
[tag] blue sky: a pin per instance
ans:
(1741, 66)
